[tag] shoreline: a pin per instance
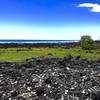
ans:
(61, 44)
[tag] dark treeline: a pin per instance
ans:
(30, 45)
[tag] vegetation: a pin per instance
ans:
(20, 54)
(87, 42)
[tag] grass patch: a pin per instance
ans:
(20, 54)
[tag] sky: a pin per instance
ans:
(49, 19)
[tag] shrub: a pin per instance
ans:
(87, 42)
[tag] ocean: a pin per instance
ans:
(37, 41)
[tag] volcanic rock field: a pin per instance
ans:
(50, 79)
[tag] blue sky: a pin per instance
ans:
(49, 19)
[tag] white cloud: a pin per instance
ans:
(94, 7)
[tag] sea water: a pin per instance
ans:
(37, 41)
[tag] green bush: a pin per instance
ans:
(87, 42)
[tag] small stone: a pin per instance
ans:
(29, 88)
(66, 91)
(48, 86)
(67, 68)
(40, 92)
(48, 81)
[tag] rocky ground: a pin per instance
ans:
(50, 79)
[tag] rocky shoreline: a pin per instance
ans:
(50, 79)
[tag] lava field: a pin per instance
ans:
(50, 79)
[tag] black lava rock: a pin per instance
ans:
(40, 92)
(50, 79)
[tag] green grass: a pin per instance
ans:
(19, 55)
